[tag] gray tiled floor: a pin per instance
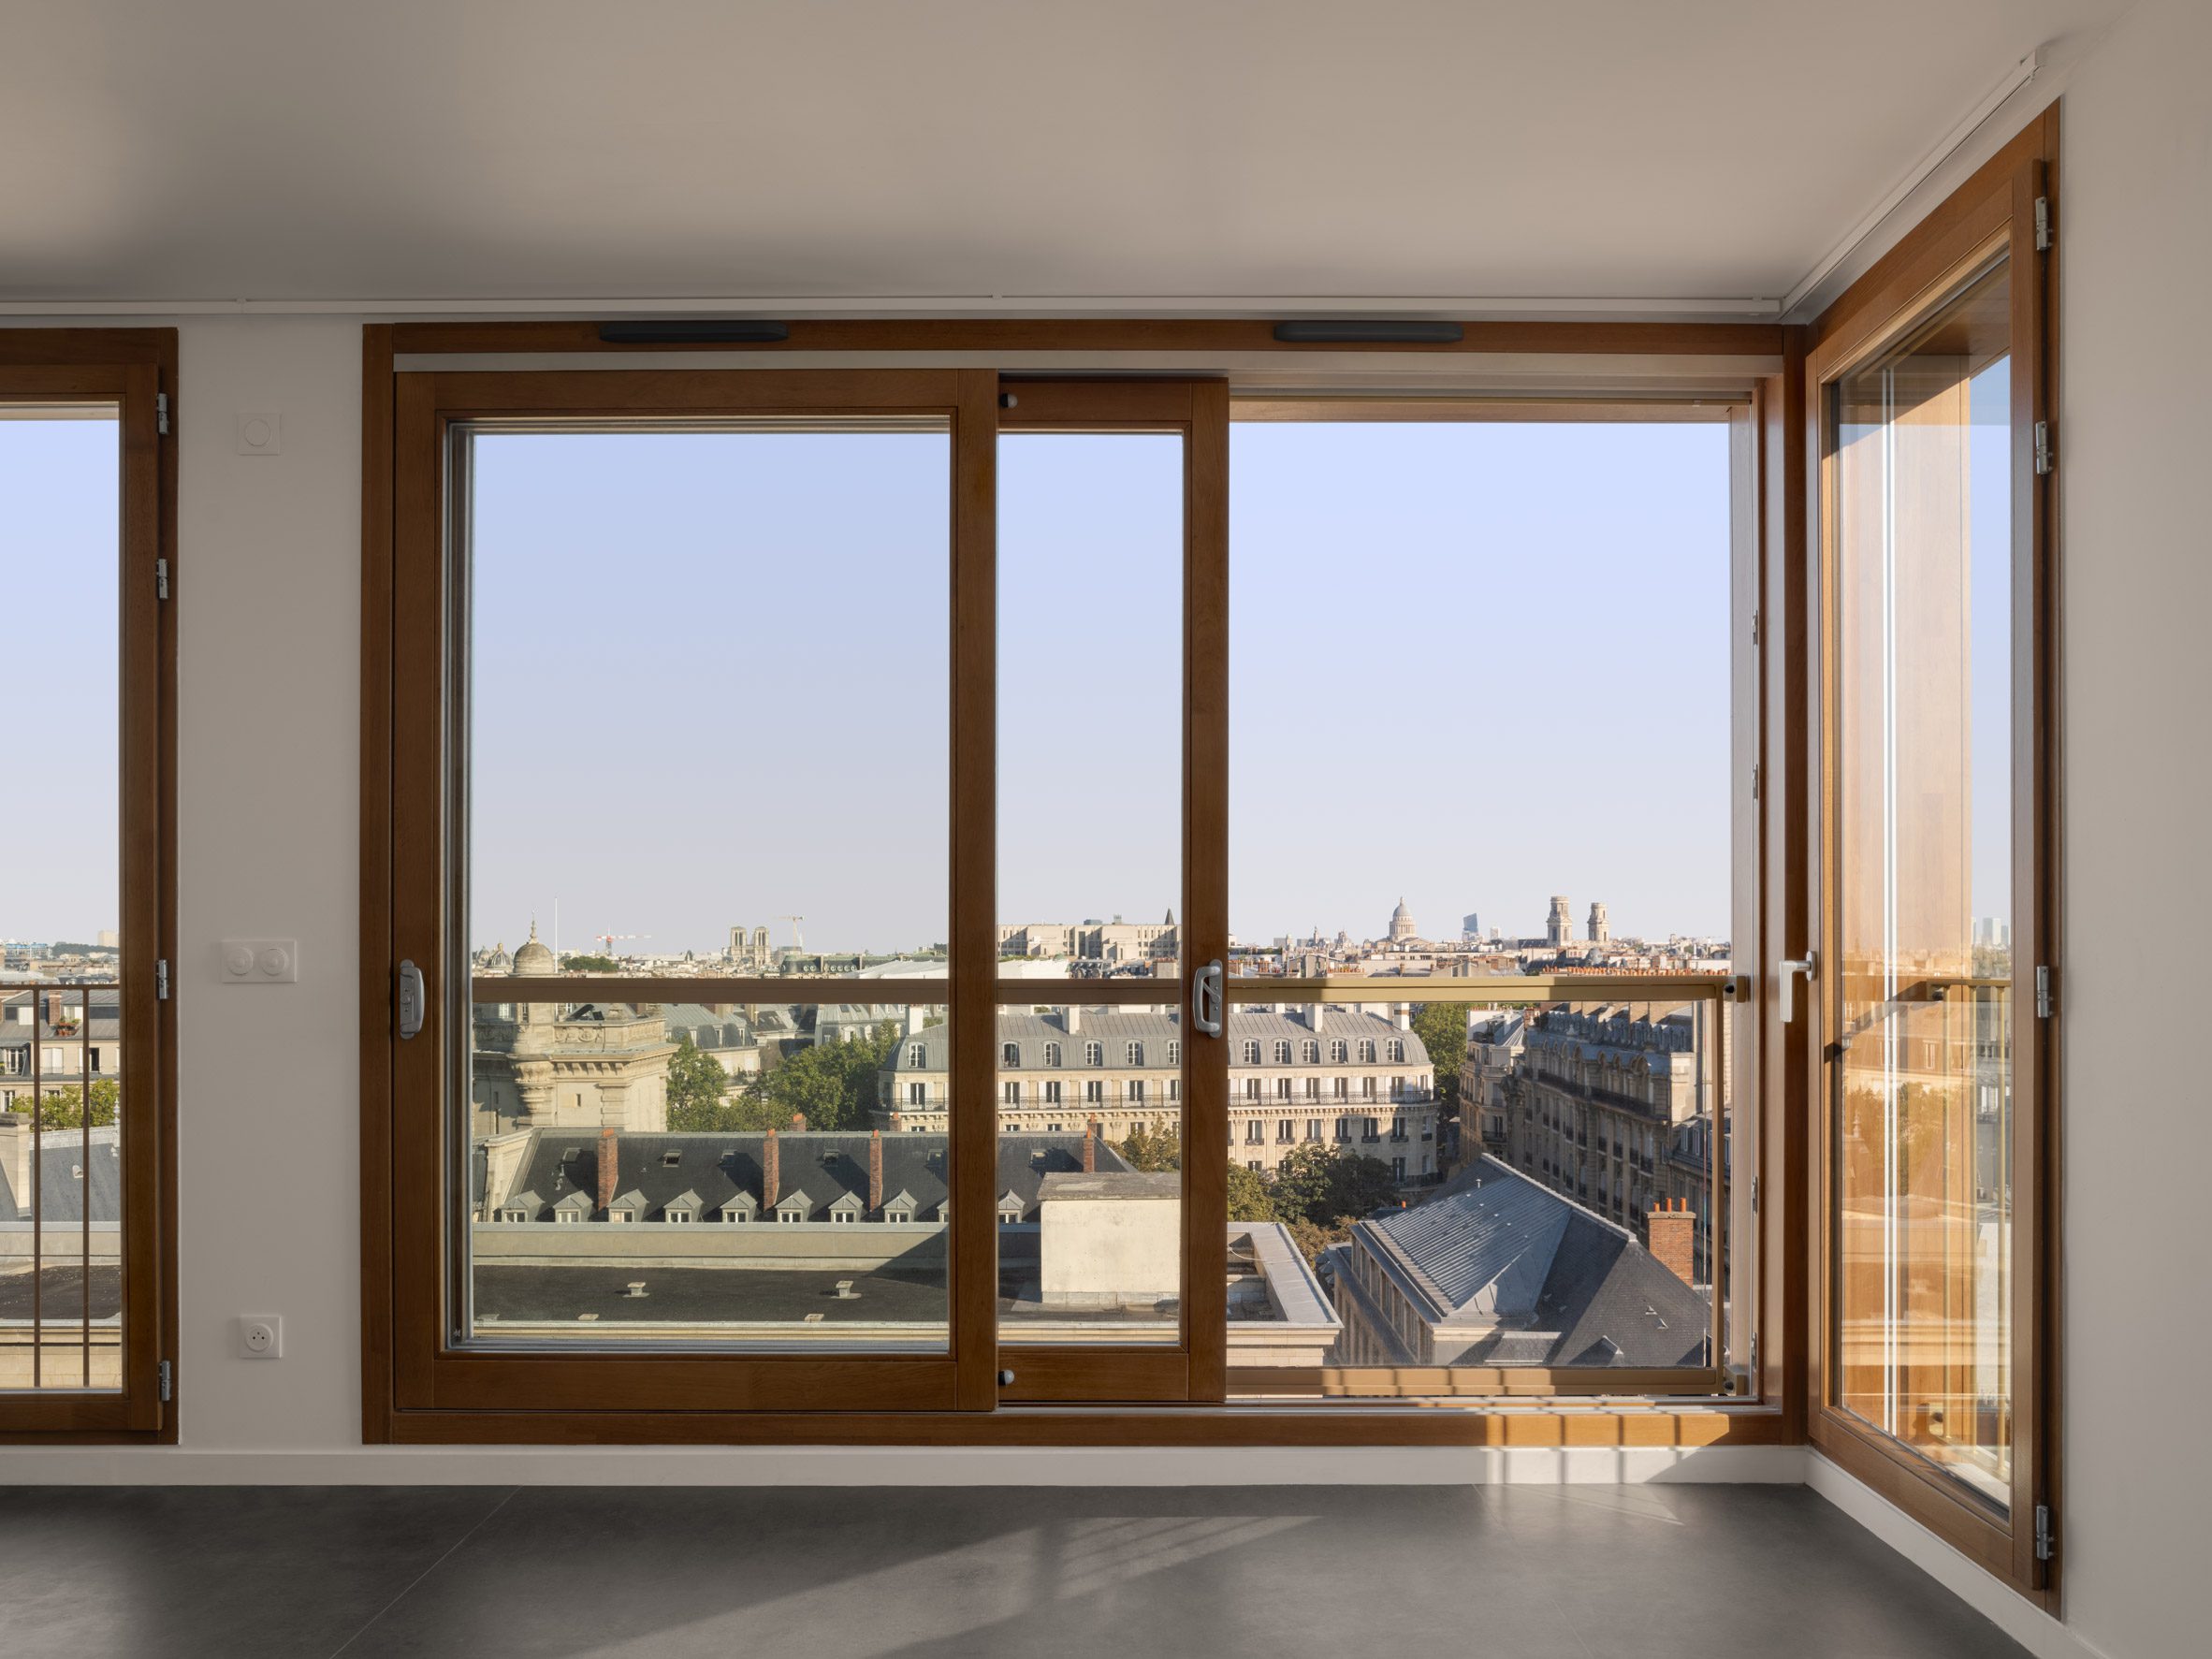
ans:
(1143, 1573)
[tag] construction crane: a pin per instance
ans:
(606, 940)
(797, 938)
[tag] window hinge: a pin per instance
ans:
(2046, 1004)
(168, 1379)
(1755, 627)
(161, 578)
(161, 979)
(2047, 1537)
(1753, 1365)
(2043, 448)
(161, 412)
(1754, 781)
(1754, 1195)
(2043, 224)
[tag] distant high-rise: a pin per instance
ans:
(1599, 932)
(1470, 927)
(1559, 931)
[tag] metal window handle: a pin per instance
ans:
(1205, 995)
(411, 999)
(1807, 965)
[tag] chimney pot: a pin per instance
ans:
(798, 1122)
(1090, 1147)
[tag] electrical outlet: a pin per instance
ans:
(261, 1336)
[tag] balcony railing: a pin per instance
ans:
(58, 1341)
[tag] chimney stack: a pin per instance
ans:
(1673, 1229)
(1314, 1016)
(876, 1173)
(798, 1122)
(1071, 1019)
(771, 1173)
(1090, 1147)
(53, 1008)
(609, 1167)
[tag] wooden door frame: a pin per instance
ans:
(1996, 208)
(413, 737)
(133, 368)
(1741, 355)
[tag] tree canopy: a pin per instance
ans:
(697, 1091)
(1442, 1027)
(575, 963)
(63, 1108)
(1318, 1185)
(831, 1083)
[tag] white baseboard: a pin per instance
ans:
(2022, 1620)
(847, 1465)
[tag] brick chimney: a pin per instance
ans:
(771, 1173)
(798, 1122)
(1090, 1147)
(1674, 1237)
(53, 1008)
(609, 1167)
(876, 1173)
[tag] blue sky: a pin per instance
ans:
(1473, 665)
(61, 622)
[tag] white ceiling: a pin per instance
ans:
(944, 150)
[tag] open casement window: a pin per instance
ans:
(1928, 389)
(87, 1292)
(807, 795)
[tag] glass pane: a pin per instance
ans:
(60, 1050)
(1923, 560)
(1090, 703)
(1480, 729)
(707, 735)
(1090, 859)
(1577, 1234)
(708, 683)
(758, 1176)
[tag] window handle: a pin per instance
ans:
(1807, 965)
(411, 999)
(1205, 992)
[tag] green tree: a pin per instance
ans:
(64, 1107)
(831, 1083)
(1250, 1199)
(586, 963)
(1155, 1146)
(1442, 1027)
(697, 1091)
(1318, 1185)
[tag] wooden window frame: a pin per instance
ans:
(1995, 207)
(1130, 1398)
(132, 368)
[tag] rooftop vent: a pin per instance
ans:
(846, 1292)
(670, 1160)
(635, 1287)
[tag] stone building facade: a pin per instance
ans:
(1330, 1075)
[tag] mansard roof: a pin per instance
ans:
(1112, 1028)
(563, 1164)
(1551, 1283)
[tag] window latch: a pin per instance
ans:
(411, 999)
(1205, 994)
(1807, 965)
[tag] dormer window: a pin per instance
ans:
(1052, 1053)
(1312, 1052)
(1010, 1208)
(1011, 1054)
(1094, 1055)
(1282, 1050)
(1174, 1054)
(1134, 1055)
(917, 1055)
(1338, 1052)
(1252, 1051)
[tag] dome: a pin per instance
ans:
(1400, 913)
(534, 958)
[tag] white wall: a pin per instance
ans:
(2135, 446)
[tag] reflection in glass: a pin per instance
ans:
(62, 1058)
(1922, 559)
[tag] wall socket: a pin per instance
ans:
(261, 1336)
